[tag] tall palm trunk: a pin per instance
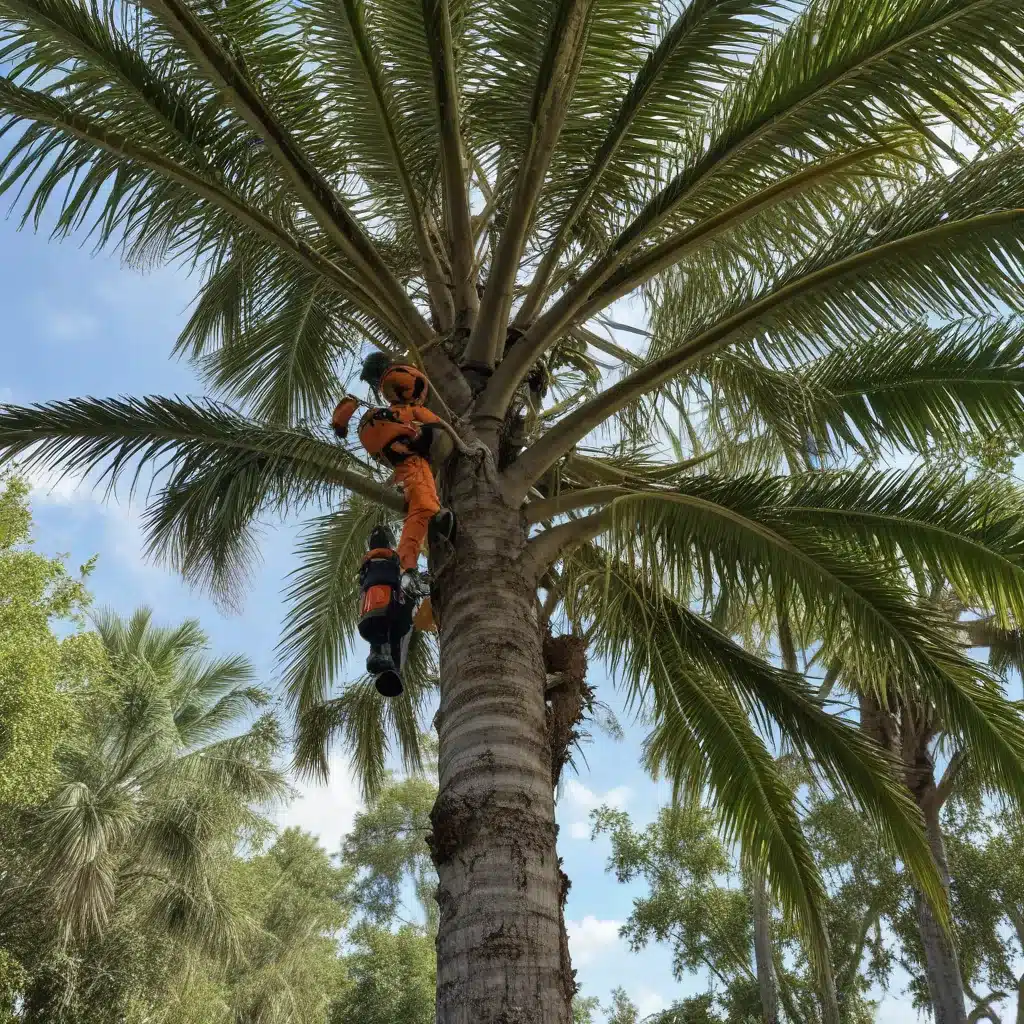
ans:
(942, 966)
(763, 961)
(907, 731)
(501, 951)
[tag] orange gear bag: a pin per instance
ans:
(379, 580)
(381, 427)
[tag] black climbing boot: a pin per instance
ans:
(415, 584)
(389, 683)
(442, 527)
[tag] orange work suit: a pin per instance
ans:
(401, 435)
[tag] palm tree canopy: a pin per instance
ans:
(162, 778)
(474, 184)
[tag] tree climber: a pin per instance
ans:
(387, 615)
(412, 440)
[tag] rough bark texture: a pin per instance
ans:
(763, 961)
(945, 985)
(570, 698)
(502, 957)
(908, 732)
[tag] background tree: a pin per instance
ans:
(40, 671)
(290, 972)
(153, 789)
(699, 903)
(388, 847)
(391, 977)
(473, 186)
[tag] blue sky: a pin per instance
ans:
(81, 325)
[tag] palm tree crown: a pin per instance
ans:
(474, 184)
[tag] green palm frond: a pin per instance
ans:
(703, 737)
(899, 389)
(239, 764)
(950, 248)
(201, 721)
(502, 60)
(279, 356)
(369, 725)
(387, 119)
(691, 58)
(856, 606)
(747, 531)
(941, 249)
(921, 384)
(827, 83)
(938, 525)
(164, 650)
(225, 471)
(101, 44)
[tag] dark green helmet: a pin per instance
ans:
(381, 537)
(375, 365)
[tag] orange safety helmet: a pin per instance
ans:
(404, 385)
(399, 383)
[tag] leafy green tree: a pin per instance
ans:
(388, 848)
(583, 1009)
(985, 850)
(700, 904)
(123, 864)
(473, 186)
(391, 977)
(39, 670)
(289, 969)
(621, 1009)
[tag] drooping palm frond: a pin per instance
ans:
(282, 364)
(861, 537)
(923, 383)
(896, 390)
(370, 726)
(700, 688)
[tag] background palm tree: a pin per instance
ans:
(473, 185)
(155, 786)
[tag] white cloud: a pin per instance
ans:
(579, 801)
(327, 811)
(50, 487)
(590, 938)
(122, 539)
(579, 830)
(648, 1001)
(69, 325)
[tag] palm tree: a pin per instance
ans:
(156, 785)
(474, 185)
